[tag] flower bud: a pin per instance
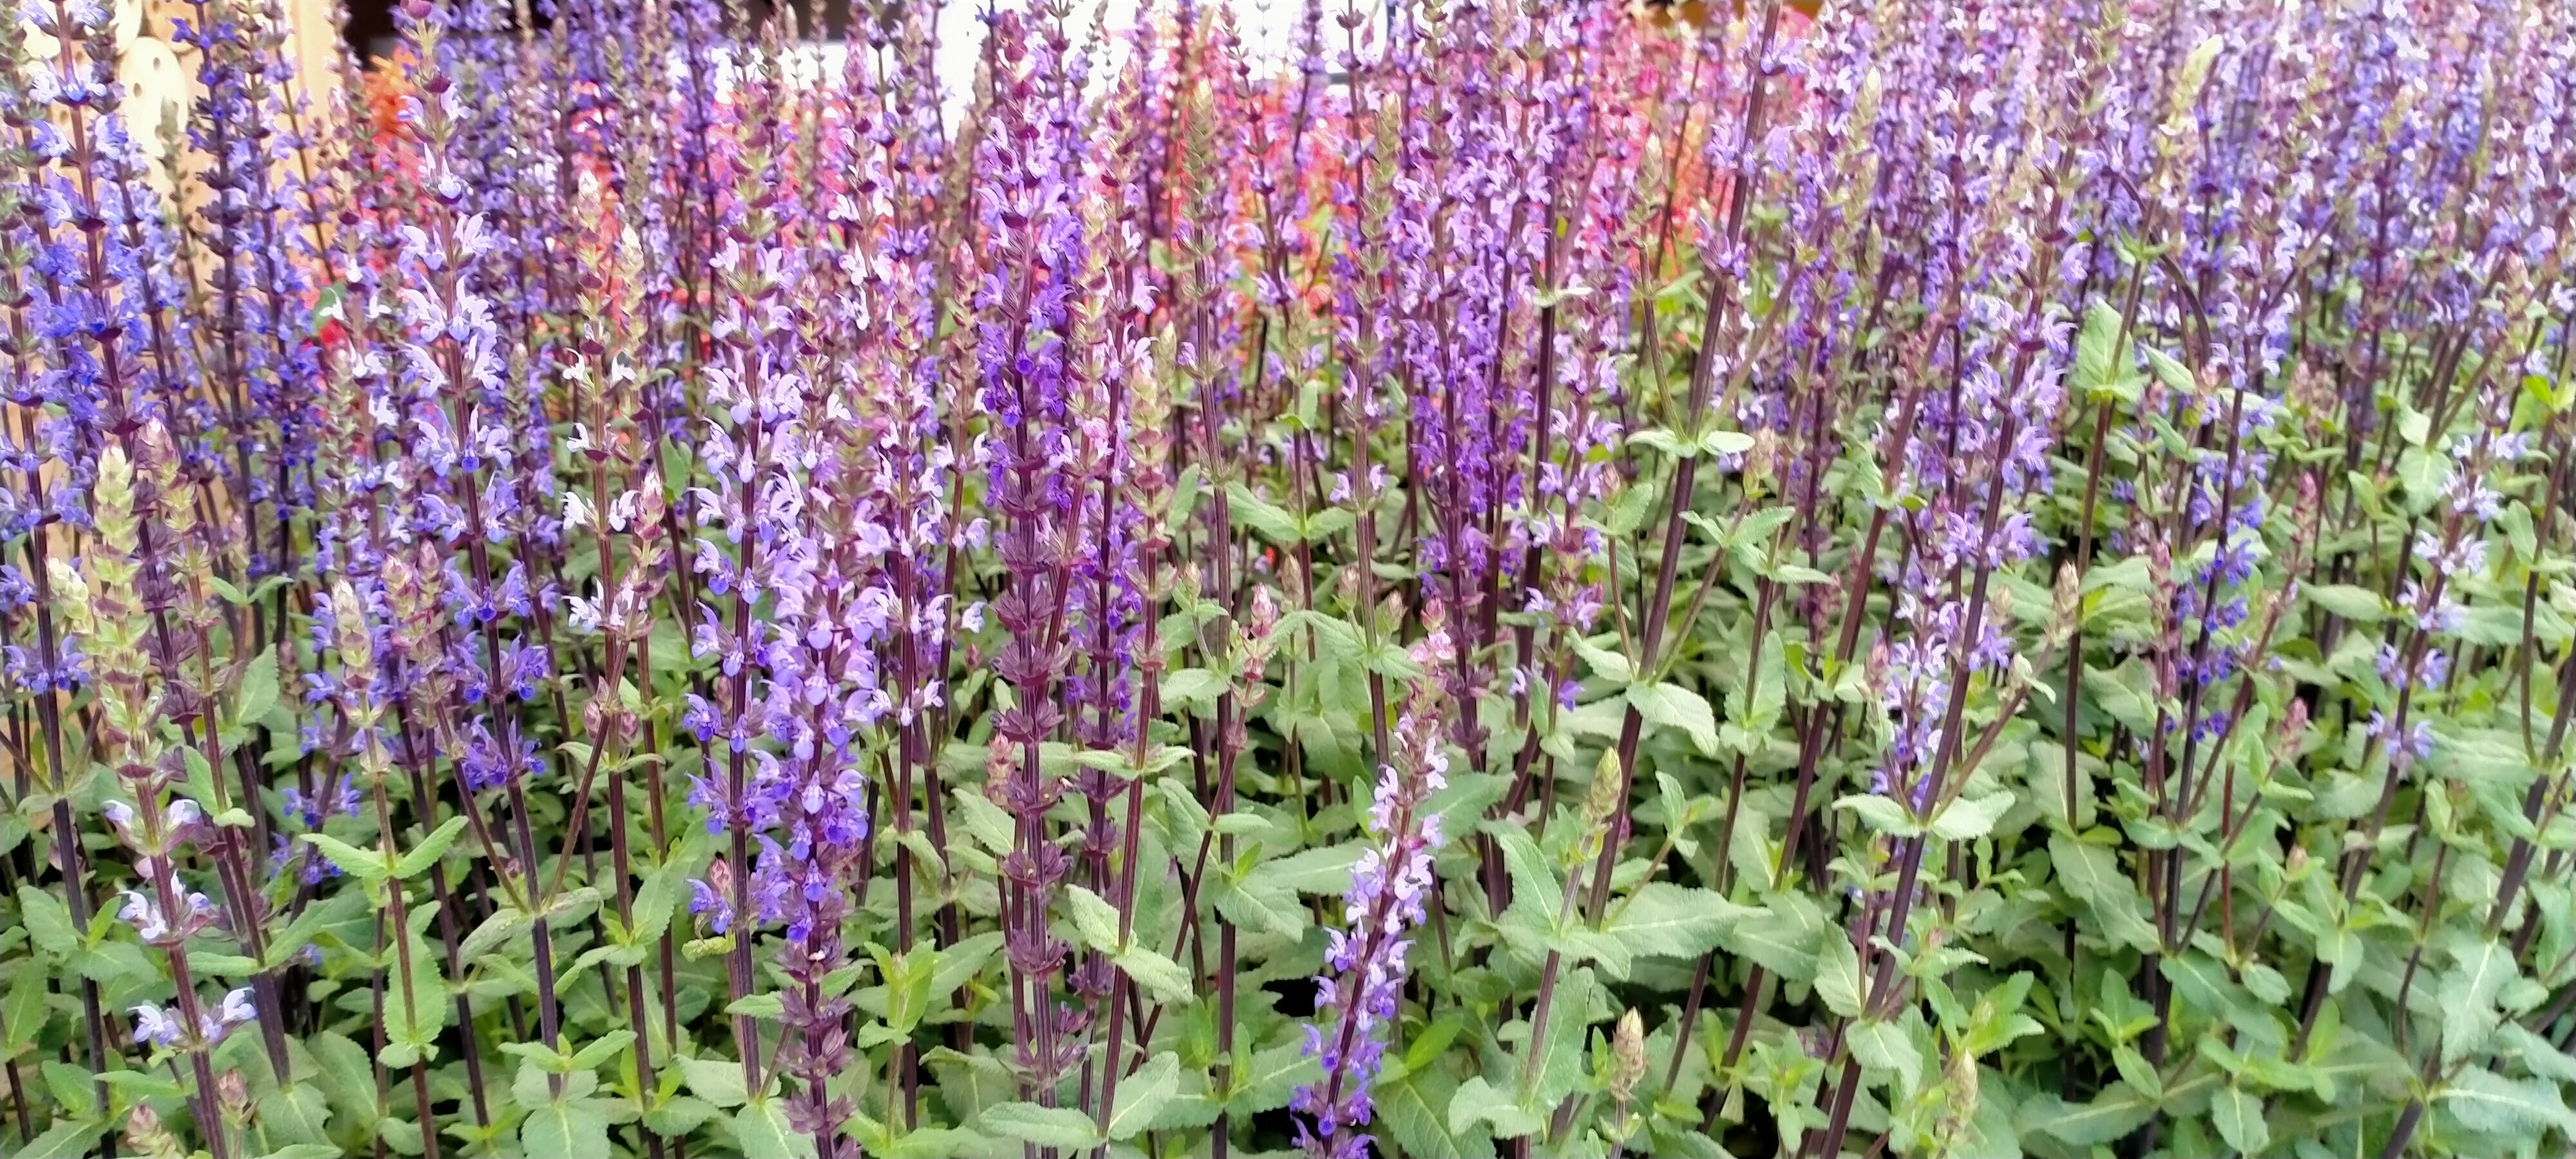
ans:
(147, 1138)
(1762, 457)
(1601, 802)
(357, 646)
(1961, 1089)
(2066, 604)
(233, 1095)
(1627, 1056)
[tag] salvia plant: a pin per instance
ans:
(1499, 577)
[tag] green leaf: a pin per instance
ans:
(505, 924)
(1326, 870)
(1569, 1018)
(655, 901)
(2169, 370)
(907, 990)
(2355, 604)
(2266, 984)
(2536, 1054)
(348, 1075)
(2106, 1119)
(760, 1128)
(300, 933)
(2466, 994)
(1673, 706)
(23, 1011)
(364, 864)
(1838, 980)
(717, 1080)
(1480, 1103)
(1665, 441)
(2422, 473)
(1260, 902)
(430, 849)
(71, 1140)
(1159, 976)
(1725, 442)
(258, 692)
(983, 820)
(601, 1050)
(296, 1115)
(2100, 369)
(1535, 886)
(757, 1006)
(2238, 1115)
(1782, 935)
(416, 1010)
(1273, 1078)
(2491, 1104)
(137, 1085)
(1271, 520)
(2092, 874)
(1192, 688)
(73, 1088)
(960, 963)
(1093, 917)
(49, 921)
(678, 1115)
(1416, 1111)
(2124, 692)
(1060, 1127)
(1882, 813)
(1663, 920)
(1967, 820)
(1606, 664)
(567, 1129)
(1143, 1093)
(1885, 1046)
(929, 1143)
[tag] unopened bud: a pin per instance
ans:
(1262, 616)
(1001, 763)
(349, 616)
(1627, 1056)
(71, 597)
(648, 503)
(233, 1095)
(146, 1137)
(1962, 1089)
(1762, 457)
(2294, 730)
(2067, 603)
(1608, 790)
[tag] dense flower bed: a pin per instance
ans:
(1931, 578)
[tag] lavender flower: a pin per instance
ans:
(1357, 1003)
(167, 1030)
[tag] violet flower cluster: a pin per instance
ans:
(671, 577)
